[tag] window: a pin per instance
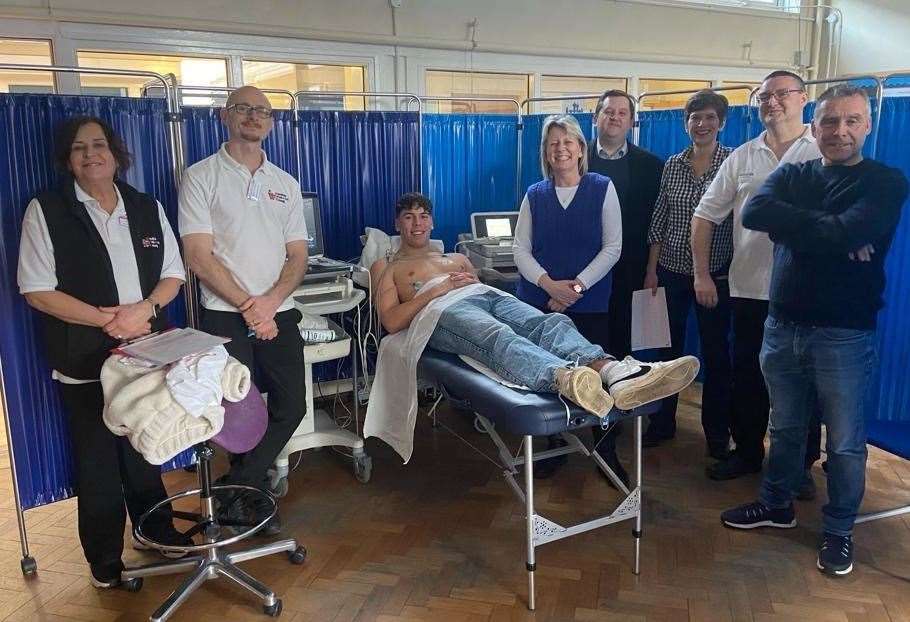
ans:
(456, 84)
(26, 52)
(190, 71)
(561, 86)
(656, 102)
(739, 97)
(295, 77)
(791, 6)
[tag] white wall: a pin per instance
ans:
(876, 35)
(573, 37)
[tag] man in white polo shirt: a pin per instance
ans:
(244, 235)
(782, 97)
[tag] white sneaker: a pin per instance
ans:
(633, 383)
(583, 386)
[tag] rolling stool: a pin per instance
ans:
(244, 426)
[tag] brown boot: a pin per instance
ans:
(583, 386)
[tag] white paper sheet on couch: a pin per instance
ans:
(392, 409)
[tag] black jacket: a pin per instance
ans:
(637, 196)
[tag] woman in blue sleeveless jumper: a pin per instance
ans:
(98, 260)
(568, 237)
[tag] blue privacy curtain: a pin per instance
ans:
(663, 132)
(889, 401)
(358, 163)
(39, 432)
(532, 126)
(469, 165)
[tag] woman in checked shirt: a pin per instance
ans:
(685, 178)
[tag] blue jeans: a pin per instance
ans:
(517, 341)
(833, 366)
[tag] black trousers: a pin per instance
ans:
(277, 368)
(598, 328)
(713, 331)
(751, 407)
(109, 473)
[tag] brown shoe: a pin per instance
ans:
(583, 386)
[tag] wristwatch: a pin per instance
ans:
(156, 308)
(578, 288)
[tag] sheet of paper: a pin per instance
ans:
(171, 345)
(650, 323)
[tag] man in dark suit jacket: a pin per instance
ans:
(636, 175)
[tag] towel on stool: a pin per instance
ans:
(139, 405)
(235, 380)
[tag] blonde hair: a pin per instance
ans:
(569, 125)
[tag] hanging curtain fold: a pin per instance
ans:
(468, 166)
(39, 433)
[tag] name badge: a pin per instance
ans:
(123, 220)
(254, 190)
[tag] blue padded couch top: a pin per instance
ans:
(513, 411)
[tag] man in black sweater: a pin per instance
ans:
(635, 174)
(832, 222)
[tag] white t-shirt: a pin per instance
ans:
(603, 261)
(250, 216)
(738, 178)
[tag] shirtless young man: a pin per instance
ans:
(543, 352)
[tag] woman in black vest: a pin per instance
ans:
(98, 260)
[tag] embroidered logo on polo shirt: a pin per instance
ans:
(151, 242)
(278, 196)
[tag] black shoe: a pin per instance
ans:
(260, 507)
(547, 468)
(165, 535)
(757, 514)
(731, 468)
(651, 439)
(718, 451)
(106, 576)
(232, 512)
(806, 490)
(835, 557)
(616, 466)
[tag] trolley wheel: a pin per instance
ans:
(272, 610)
(29, 565)
(280, 488)
(297, 556)
(363, 468)
(132, 585)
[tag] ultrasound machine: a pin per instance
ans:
(489, 248)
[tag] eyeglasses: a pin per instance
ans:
(261, 112)
(780, 95)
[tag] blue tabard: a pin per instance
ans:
(565, 240)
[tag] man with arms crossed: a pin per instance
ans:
(782, 97)
(244, 235)
(832, 221)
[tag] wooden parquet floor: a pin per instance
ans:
(442, 539)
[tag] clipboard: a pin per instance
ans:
(650, 321)
(170, 345)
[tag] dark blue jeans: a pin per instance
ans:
(833, 367)
(714, 331)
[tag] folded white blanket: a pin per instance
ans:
(139, 405)
(195, 380)
(235, 380)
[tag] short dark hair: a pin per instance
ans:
(783, 73)
(412, 200)
(615, 93)
(706, 98)
(66, 136)
(843, 90)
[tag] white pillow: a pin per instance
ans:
(378, 244)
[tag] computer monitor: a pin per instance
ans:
(313, 217)
(493, 224)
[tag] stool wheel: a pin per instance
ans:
(297, 556)
(363, 468)
(132, 585)
(272, 610)
(29, 565)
